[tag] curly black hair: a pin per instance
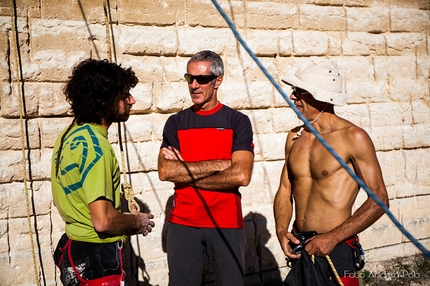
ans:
(96, 87)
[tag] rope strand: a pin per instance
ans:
(18, 80)
(107, 27)
(339, 281)
(126, 187)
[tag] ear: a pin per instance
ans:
(218, 81)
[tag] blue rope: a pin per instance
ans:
(319, 137)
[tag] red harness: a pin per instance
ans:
(110, 280)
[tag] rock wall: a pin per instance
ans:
(382, 48)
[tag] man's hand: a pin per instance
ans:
(106, 218)
(146, 224)
(285, 237)
(171, 153)
(320, 245)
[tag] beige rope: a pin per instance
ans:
(14, 46)
(339, 281)
(108, 32)
(128, 190)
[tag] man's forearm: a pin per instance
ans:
(237, 175)
(106, 219)
(220, 181)
(283, 204)
(283, 212)
(363, 218)
(188, 172)
(124, 223)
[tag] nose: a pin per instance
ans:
(293, 96)
(130, 99)
(194, 84)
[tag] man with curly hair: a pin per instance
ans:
(85, 177)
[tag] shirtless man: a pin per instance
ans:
(321, 189)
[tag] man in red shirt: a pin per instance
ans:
(207, 151)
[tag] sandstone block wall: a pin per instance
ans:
(382, 48)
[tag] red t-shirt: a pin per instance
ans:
(201, 136)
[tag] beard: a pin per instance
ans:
(121, 114)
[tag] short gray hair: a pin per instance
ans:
(217, 65)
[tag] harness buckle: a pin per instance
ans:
(297, 248)
(120, 244)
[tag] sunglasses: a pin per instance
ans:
(201, 79)
(298, 91)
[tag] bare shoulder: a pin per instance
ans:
(292, 135)
(357, 139)
(354, 132)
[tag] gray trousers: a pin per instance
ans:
(187, 248)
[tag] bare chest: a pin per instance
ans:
(309, 158)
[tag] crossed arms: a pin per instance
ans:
(211, 175)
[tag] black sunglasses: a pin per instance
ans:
(298, 91)
(201, 79)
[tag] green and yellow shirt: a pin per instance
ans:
(88, 170)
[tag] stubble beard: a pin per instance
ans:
(122, 116)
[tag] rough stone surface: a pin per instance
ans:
(382, 48)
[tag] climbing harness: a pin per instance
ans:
(110, 280)
(353, 244)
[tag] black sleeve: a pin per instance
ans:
(170, 133)
(243, 135)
